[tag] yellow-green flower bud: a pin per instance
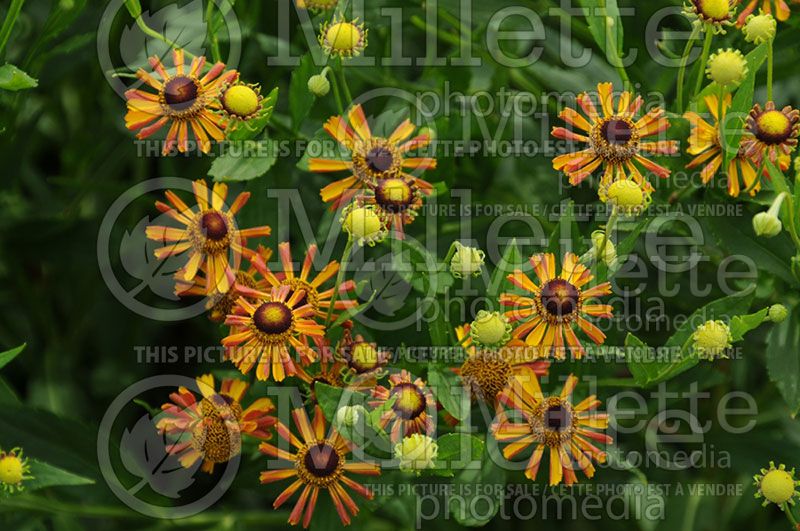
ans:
(490, 329)
(610, 251)
(363, 224)
(319, 85)
(466, 261)
(777, 313)
(768, 224)
(760, 28)
(712, 339)
(727, 68)
(416, 452)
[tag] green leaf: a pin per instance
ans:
(739, 239)
(512, 259)
(457, 451)
(300, 98)
(330, 399)
(742, 102)
(420, 268)
(742, 324)
(447, 389)
(251, 159)
(45, 475)
(469, 483)
(649, 366)
(12, 78)
(783, 363)
(565, 231)
(8, 355)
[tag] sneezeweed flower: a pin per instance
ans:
(706, 147)
(466, 261)
(343, 38)
(209, 234)
(211, 428)
(551, 309)
(551, 423)
(397, 202)
(727, 68)
(773, 134)
(219, 305)
(485, 372)
(713, 13)
(14, 470)
(412, 409)
(264, 331)
(316, 295)
(490, 329)
(777, 313)
(776, 485)
(320, 462)
(768, 224)
(371, 158)
(760, 28)
(364, 360)
(782, 10)
(615, 138)
(712, 339)
(628, 197)
(185, 100)
(363, 225)
(416, 453)
(239, 103)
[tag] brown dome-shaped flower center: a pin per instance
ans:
(617, 132)
(321, 460)
(410, 401)
(559, 298)
(379, 159)
(557, 418)
(214, 226)
(273, 318)
(180, 93)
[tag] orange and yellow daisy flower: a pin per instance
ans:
(219, 305)
(262, 331)
(555, 305)
(211, 429)
(209, 234)
(183, 99)
(328, 371)
(486, 371)
(771, 133)
(615, 138)
(320, 462)
(551, 423)
(318, 298)
(706, 147)
(397, 202)
(371, 158)
(413, 409)
(782, 9)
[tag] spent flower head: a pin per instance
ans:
(712, 339)
(760, 28)
(727, 68)
(466, 261)
(490, 329)
(363, 224)
(416, 453)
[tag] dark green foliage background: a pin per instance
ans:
(67, 156)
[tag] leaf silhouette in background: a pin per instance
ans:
(390, 288)
(143, 451)
(138, 260)
(183, 25)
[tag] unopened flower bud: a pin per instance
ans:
(466, 261)
(777, 313)
(319, 85)
(768, 224)
(416, 453)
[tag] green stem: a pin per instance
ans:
(788, 512)
(8, 23)
(336, 94)
(339, 277)
(211, 33)
(345, 89)
(611, 42)
(703, 61)
(156, 35)
(770, 63)
(612, 220)
(684, 61)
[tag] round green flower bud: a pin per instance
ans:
(760, 28)
(348, 416)
(777, 313)
(319, 85)
(363, 224)
(490, 329)
(767, 225)
(416, 453)
(727, 68)
(610, 252)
